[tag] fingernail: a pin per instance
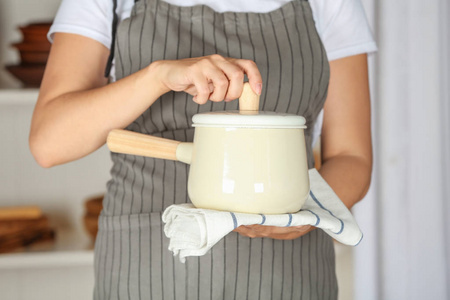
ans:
(259, 88)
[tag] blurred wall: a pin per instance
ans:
(14, 13)
(60, 191)
(406, 251)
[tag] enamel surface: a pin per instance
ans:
(249, 170)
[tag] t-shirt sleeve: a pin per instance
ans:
(89, 18)
(345, 31)
(343, 27)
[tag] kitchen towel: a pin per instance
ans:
(193, 231)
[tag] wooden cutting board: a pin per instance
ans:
(20, 213)
(25, 239)
(13, 226)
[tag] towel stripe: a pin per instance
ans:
(263, 219)
(329, 211)
(362, 236)
(290, 220)
(234, 220)
(317, 216)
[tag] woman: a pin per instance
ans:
(172, 60)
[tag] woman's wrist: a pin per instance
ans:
(153, 74)
(349, 176)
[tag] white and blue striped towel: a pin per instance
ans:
(193, 231)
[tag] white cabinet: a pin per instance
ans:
(49, 283)
(66, 271)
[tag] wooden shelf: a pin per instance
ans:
(71, 248)
(18, 96)
(28, 260)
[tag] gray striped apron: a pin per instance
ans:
(132, 260)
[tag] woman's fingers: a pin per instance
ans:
(203, 88)
(192, 90)
(235, 75)
(211, 77)
(254, 76)
(245, 231)
(227, 75)
(219, 82)
(281, 233)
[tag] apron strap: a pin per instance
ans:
(113, 39)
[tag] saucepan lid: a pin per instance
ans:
(248, 119)
(248, 115)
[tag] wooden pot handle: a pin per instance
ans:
(249, 100)
(128, 142)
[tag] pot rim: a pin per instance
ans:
(260, 119)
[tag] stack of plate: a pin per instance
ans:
(93, 207)
(34, 51)
(23, 227)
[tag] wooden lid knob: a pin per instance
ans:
(249, 100)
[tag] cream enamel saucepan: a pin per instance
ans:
(242, 161)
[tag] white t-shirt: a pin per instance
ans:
(341, 24)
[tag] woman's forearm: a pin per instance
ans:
(75, 124)
(349, 176)
(76, 110)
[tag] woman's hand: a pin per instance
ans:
(212, 77)
(76, 108)
(274, 232)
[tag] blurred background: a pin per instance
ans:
(46, 243)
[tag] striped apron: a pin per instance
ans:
(132, 260)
